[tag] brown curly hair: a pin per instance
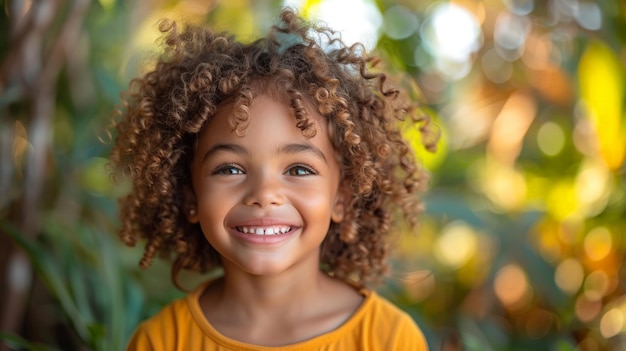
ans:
(163, 112)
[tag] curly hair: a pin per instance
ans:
(309, 65)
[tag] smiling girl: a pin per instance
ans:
(280, 162)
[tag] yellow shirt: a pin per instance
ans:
(376, 325)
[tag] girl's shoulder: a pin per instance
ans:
(175, 322)
(388, 325)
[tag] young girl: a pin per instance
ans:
(279, 162)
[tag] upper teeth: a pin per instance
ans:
(265, 230)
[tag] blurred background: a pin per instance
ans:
(522, 243)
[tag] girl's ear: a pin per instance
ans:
(190, 205)
(339, 207)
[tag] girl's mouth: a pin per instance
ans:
(265, 230)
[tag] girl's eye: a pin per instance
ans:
(300, 170)
(228, 170)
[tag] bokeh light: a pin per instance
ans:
(520, 7)
(612, 323)
(587, 310)
(510, 34)
(596, 285)
(598, 243)
(495, 67)
(569, 275)
(399, 22)
(551, 138)
(452, 34)
(511, 286)
(456, 244)
(589, 16)
(593, 186)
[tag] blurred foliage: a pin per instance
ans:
(522, 244)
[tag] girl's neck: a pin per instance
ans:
(255, 293)
(279, 309)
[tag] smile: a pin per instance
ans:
(272, 230)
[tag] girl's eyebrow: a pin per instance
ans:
(297, 148)
(234, 148)
(287, 149)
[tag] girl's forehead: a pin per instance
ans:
(271, 89)
(240, 115)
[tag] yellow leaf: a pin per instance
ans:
(431, 160)
(308, 7)
(601, 81)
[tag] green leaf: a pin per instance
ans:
(565, 345)
(49, 272)
(17, 343)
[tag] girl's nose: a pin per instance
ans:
(264, 190)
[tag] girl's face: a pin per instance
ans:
(265, 200)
